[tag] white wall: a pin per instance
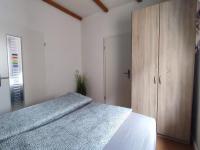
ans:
(48, 71)
(63, 48)
(94, 29)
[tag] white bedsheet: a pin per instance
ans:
(138, 132)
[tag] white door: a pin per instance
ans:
(117, 70)
(5, 102)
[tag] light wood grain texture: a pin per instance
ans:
(165, 144)
(145, 60)
(176, 67)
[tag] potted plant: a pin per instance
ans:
(80, 83)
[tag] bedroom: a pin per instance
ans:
(56, 40)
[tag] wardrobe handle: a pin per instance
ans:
(154, 80)
(159, 80)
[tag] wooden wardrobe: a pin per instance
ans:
(163, 55)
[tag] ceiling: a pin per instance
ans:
(85, 8)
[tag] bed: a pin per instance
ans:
(75, 122)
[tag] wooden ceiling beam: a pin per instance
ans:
(63, 9)
(101, 5)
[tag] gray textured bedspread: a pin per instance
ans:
(34, 116)
(88, 128)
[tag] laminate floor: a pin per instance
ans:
(165, 144)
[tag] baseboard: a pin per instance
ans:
(195, 146)
(173, 139)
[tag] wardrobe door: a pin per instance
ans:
(176, 67)
(145, 60)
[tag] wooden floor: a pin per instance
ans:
(164, 144)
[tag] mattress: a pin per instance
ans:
(138, 132)
(76, 123)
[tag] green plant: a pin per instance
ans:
(80, 84)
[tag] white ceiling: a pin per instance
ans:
(85, 8)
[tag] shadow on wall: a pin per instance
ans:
(196, 95)
(196, 98)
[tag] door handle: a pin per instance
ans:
(2, 78)
(154, 80)
(159, 80)
(128, 73)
